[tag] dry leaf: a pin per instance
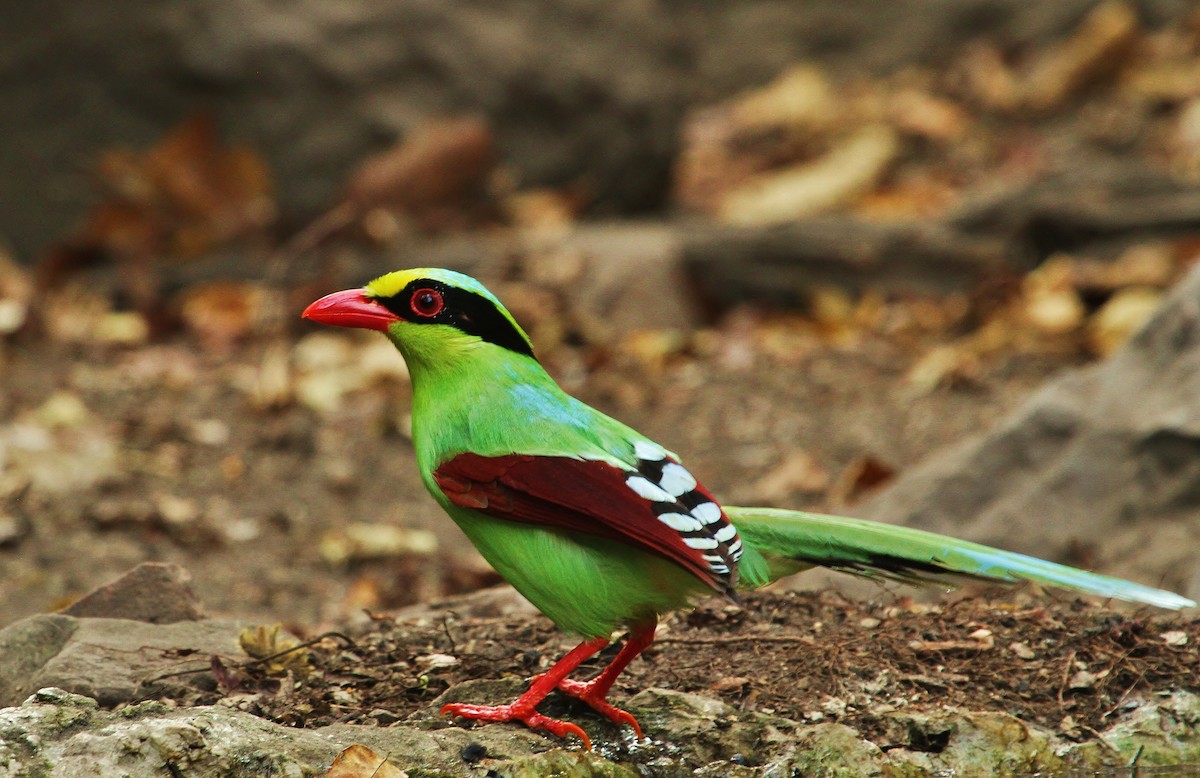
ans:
(125, 328)
(655, 348)
(1124, 314)
(434, 661)
(362, 540)
(1175, 637)
(1096, 48)
(861, 475)
(729, 683)
(358, 761)
(222, 312)
(921, 113)
(988, 78)
(943, 366)
(261, 642)
(548, 210)
(439, 164)
(799, 96)
(174, 201)
(934, 646)
(1050, 304)
(16, 293)
(848, 170)
(1084, 679)
(1146, 264)
(797, 471)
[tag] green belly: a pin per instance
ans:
(587, 585)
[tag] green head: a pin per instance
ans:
(434, 316)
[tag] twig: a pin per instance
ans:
(1137, 756)
(310, 237)
(446, 631)
(261, 660)
(738, 639)
(1065, 678)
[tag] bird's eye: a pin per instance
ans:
(427, 302)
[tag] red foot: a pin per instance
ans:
(589, 693)
(516, 712)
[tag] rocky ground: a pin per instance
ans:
(954, 287)
(980, 685)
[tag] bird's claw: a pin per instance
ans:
(526, 715)
(587, 693)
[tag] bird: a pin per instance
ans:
(599, 527)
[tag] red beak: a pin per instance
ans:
(350, 308)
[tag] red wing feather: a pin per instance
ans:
(577, 495)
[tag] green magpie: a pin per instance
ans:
(595, 524)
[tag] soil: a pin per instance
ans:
(1063, 664)
(172, 458)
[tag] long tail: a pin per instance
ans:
(780, 542)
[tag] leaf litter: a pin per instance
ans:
(805, 656)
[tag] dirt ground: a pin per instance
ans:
(1064, 664)
(165, 452)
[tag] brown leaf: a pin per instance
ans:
(927, 115)
(848, 170)
(438, 163)
(938, 646)
(227, 681)
(1120, 317)
(797, 471)
(1095, 49)
(223, 312)
(862, 475)
(16, 294)
(988, 79)
(174, 201)
(262, 641)
(729, 683)
(358, 761)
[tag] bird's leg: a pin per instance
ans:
(523, 709)
(594, 691)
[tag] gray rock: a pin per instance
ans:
(153, 592)
(58, 734)
(1107, 456)
(577, 90)
(25, 648)
(784, 264)
(1091, 200)
(111, 660)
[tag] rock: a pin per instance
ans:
(631, 274)
(784, 264)
(59, 734)
(1098, 198)
(1105, 456)
(25, 648)
(56, 733)
(111, 660)
(1156, 728)
(153, 592)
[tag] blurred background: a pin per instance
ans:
(875, 258)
